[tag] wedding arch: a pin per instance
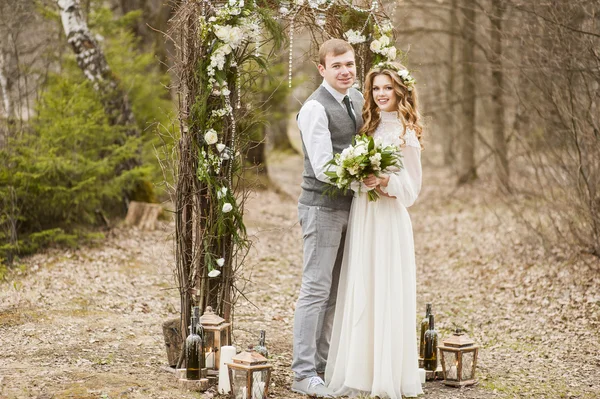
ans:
(221, 46)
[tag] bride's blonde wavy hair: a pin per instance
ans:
(408, 107)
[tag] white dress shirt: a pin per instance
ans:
(314, 127)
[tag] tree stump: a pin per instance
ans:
(172, 340)
(143, 215)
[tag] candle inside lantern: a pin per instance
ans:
(422, 375)
(227, 354)
(258, 390)
(210, 359)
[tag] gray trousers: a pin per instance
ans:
(324, 233)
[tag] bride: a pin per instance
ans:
(374, 341)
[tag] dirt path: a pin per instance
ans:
(87, 323)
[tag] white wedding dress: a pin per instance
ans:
(373, 346)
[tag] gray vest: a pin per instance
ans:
(342, 131)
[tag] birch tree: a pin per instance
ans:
(92, 62)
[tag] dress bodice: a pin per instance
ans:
(391, 131)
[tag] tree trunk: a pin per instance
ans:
(150, 27)
(92, 62)
(5, 85)
(6, 100)
(468, 171)
(448, 136)
(500, 150)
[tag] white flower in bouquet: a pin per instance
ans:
(211, 137)
(365, 157)
(354, 37)
(375, 159)
(220, 262)
(347, 153)
(227, 207)
(360, 149)
(214, 273)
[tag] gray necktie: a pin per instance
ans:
(349, 109)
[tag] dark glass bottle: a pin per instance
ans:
(424, 327)
(431, 344)
(193, 350)
(261, 347)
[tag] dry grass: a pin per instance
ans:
(90, 325)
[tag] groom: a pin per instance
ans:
(328, 120)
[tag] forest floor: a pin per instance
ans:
(86, 323)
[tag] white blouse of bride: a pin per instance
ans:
(406, 188)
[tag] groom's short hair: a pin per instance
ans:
(335, 47)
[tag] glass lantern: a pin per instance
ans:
(249, 375)
(216, 335)
(459, 359)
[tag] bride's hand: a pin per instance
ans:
(383, 193)
(371, 181)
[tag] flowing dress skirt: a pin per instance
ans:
(373, 346)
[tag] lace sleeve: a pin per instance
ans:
(410, 137)
(405, 185)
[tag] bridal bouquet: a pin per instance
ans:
(364, 157)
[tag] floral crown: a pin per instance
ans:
(406, 77)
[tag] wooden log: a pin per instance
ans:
(172, 340)
(200, 385)
(143, 215)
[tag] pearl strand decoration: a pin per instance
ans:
(232, 146)
(291, 51)
(238, 84)
(256, 36)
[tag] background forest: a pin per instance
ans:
(509, 216)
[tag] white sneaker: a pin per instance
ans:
(312, 386)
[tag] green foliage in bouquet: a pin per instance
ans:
(363, 158)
